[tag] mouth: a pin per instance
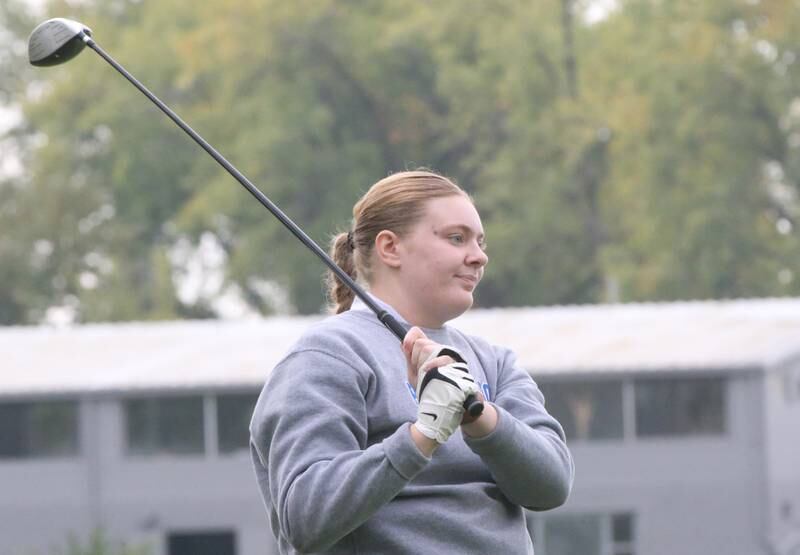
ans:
(470, 280)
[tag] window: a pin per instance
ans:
(171, 425)
(39, 429)
(680, 406)
(583, 534)
(201, 543)
(586, 410)
(622, 534)
(233, 420)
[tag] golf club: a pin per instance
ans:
(59, 40)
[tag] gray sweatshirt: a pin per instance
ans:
(339, 472)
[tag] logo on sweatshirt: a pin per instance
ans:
(412, 391)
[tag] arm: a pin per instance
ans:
(309, 430)
(526, 450)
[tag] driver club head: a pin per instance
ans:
(56, 41)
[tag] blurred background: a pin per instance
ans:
(619, 151)
(627, 151)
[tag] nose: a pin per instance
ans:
(477, 256)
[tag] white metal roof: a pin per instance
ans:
(716, 335)
(720, 335)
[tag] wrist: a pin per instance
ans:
(425, 444)
(483, 425)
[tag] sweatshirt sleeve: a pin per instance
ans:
(527, 452)
(309, 431)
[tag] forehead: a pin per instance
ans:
(454, 210)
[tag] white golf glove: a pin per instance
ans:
(441, 393)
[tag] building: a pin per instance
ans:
(683, 418)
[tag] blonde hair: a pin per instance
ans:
(394, 203)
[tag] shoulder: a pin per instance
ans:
(340, 332)
(347, 339)
(481, 347)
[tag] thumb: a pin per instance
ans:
(408, 341)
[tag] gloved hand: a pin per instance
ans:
(441, 393)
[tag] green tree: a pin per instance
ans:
(653, 154)
(699, 117)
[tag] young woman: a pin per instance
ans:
(348, 459)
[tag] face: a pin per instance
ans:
(442, 259)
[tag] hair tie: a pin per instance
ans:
(350, 243)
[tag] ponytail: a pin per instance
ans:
(341, 250)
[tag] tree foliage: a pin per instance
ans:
(653, 154)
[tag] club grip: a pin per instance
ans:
(473, 406)
(391, 322)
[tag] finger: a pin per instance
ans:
(423, 348)
(437, 362)
(411, 337)
(416, 347)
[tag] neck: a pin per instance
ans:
(396, 297)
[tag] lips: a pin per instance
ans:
(472, 280)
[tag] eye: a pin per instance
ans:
(482, 244)
(456, 239)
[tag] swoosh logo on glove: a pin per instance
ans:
(434, 416)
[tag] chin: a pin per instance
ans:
(459, 305)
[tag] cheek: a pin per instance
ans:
(431, 278)
(435, 268)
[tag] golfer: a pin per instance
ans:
(362, 445)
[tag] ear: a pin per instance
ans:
(387, 248)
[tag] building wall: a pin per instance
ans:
(41, 503)
(154, 495)
(782, 458)
(688, 496)
(695, 495)
(138, 499)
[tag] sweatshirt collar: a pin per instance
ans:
(358, 304)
